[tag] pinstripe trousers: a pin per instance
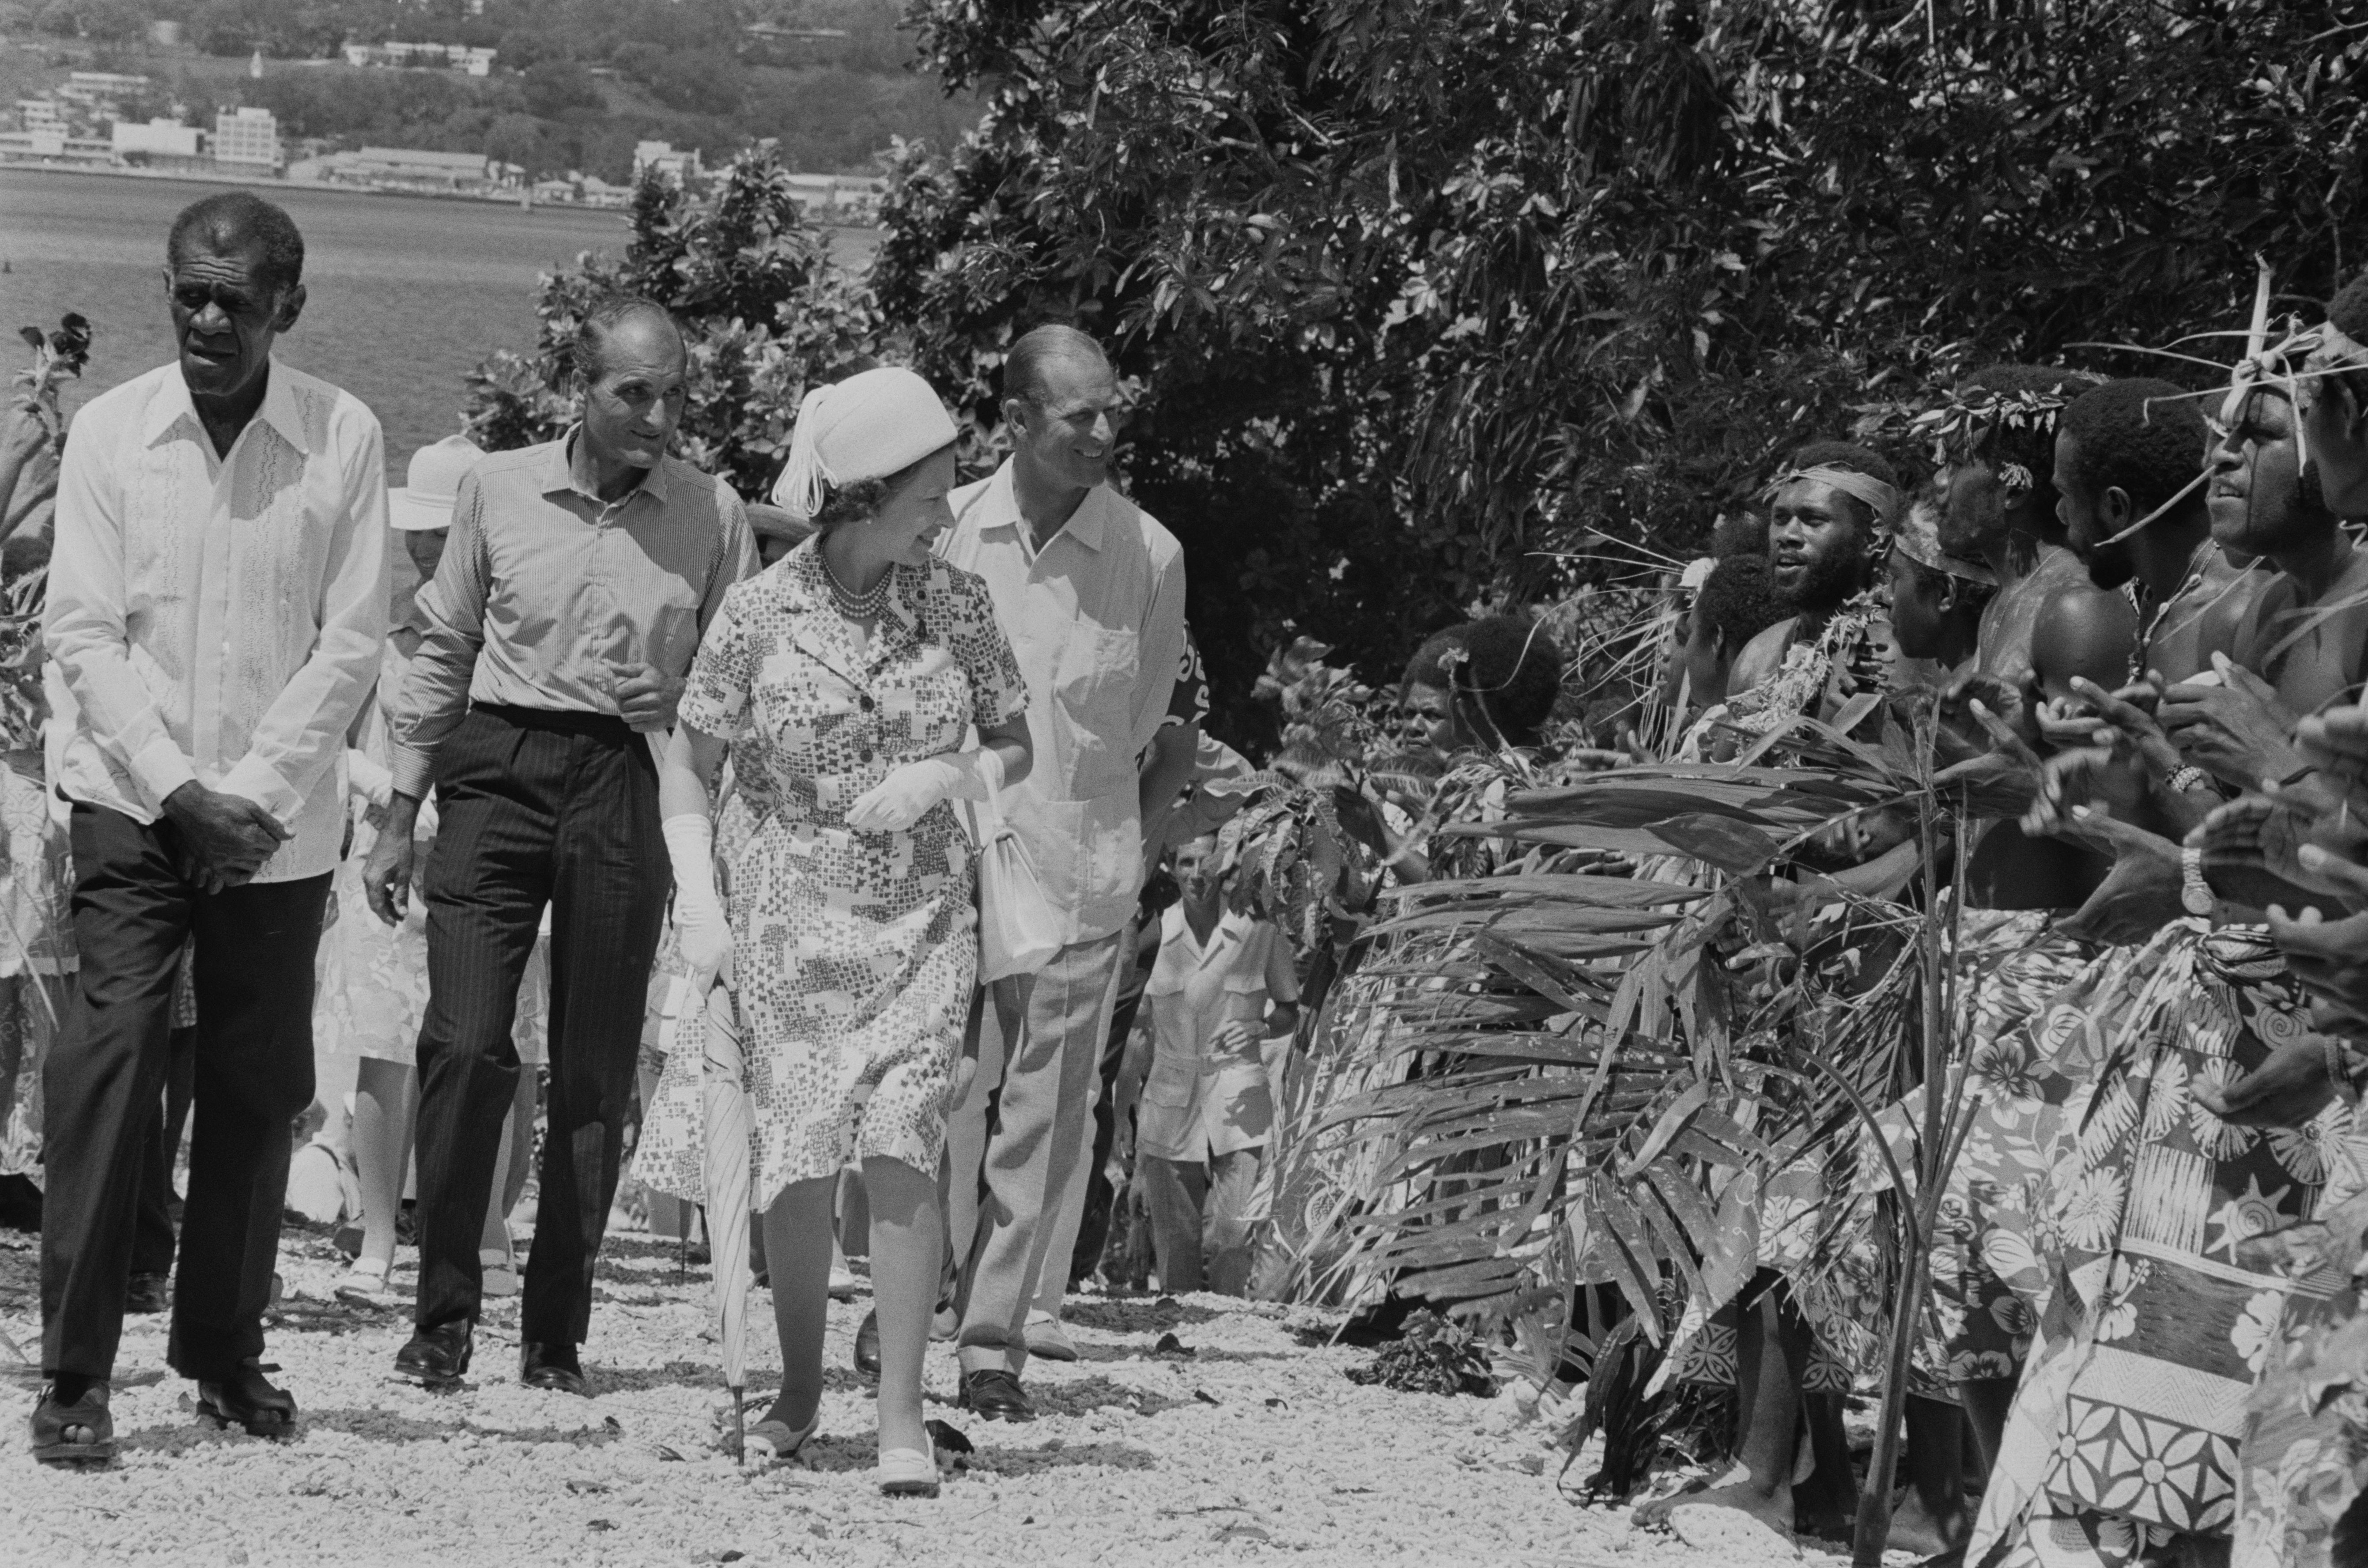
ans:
(533, 807)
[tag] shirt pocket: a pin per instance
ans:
(1093, 708)
(1171, 1083)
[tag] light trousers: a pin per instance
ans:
(1031, 1106)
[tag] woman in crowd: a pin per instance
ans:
(1224, 1001)
(844, 679)
(374, 985)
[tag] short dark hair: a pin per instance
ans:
(231, 219)
(1738, 533)
(587, 348)
(1025, 364)
(1857, 459)
(2348, 313)
(1510, 667)
(2348, 309)
(1738, 599)
(2141, 435)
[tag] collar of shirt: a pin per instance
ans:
(173, 404)
(818, 627)
(1086, 525)
(571, 470)
(1230, 929)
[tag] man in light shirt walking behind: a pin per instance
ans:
(216, 603)
(1090, 590)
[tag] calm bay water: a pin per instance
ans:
(405, 295)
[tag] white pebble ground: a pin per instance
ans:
(1255, 1446)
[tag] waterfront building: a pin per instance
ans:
(158, 138)
(248, 136)
(394, 54)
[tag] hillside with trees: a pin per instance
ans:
(577, 82)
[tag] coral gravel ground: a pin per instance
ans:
(1253, 1446)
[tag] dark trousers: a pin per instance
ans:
(533, 807)
(152, 1241)
(252, 1073)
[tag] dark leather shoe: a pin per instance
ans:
(148, 1293)
(995, 1395)
(84, 1416)
(248, 1401)
(552, 1367)
(436, 1357)
(866, 1345)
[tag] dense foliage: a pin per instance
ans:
(1422, 293)
(762, 306)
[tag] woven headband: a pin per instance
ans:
(1882, 497)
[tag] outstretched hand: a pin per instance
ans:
(2286, 1090)
(2235, 730)
(2292, 833)
(2329, 957)
(2001, 782)
(2140, 896)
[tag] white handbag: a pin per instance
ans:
(1018, 931)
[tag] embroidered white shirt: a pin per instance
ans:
(1096, 620)
(218, 618)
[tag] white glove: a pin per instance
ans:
(698, 919)
(902, 798)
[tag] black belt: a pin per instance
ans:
(565, 720)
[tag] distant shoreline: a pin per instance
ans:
(269, 182)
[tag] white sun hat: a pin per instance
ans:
(435, 479)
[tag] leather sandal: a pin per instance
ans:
(51, 1420)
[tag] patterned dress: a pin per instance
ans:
(2157, 1316)
(854, 954)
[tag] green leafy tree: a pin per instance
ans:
(1427, 296)
(765, 311)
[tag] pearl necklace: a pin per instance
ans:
(865, 606)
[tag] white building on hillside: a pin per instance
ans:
(679, 167)
(249, 136)
(391, 54)
(158, 138)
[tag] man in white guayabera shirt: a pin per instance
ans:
(216, 601)
(1090, 591)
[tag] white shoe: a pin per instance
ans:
(500, 1276)
(365, 1282)
(842, 1283)
(908, 1473)
(1047, 1340)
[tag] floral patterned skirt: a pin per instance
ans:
(2124, 1432)
(853, 970)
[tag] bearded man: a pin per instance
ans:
(1825, 511)
(1829, 509)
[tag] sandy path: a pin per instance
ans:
(1255, 1446)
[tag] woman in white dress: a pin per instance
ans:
(846, 680)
